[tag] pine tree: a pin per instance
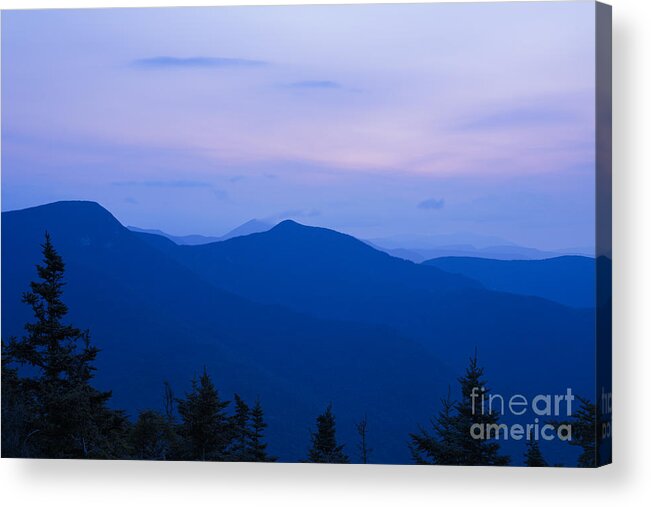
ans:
(18, 412)
(149, 437)
(175, 448)
(584, 425)
(169, 401)
(533, 457)
(70, 418)
(470, 411)
(452, 441)
(205, 427)
(440, 446)
(324, 441)
(242, 434)
(362, 446)
(257, 445)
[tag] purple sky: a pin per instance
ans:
(374, 120)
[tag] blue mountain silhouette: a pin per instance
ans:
(568, 279)
(300, 316)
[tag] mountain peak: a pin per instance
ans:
(253, 221)
(67, 205)
(288, 223)
(292, 228)
(72, 209)
(251, 227)
(86, 217)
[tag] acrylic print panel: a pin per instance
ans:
(332, 234)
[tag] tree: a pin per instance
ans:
(168, 399)
(205, 427)
(242, 434)
(584, 424)
(18, 424)
(69, 418)
(584, 433)
(471, 414)
(149, 437)
(533, 457)
(248, 433)
(257, 445)
(325, 448)
(362, 446)
(462, 431)
(440, 446)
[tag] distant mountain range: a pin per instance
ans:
(300, 316)
(569, 280)
(416, 248)
(498, 252)
(249, 227)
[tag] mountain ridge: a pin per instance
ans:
(566, 279)
(250, 227)
(156, 320)
(299, 315)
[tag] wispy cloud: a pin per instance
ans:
(174, 184)
(173, 62)
(316, 85)
(522, 117)
(164, 184)
(431, 204)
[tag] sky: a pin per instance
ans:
(374, 120)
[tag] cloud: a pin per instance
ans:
(164, 184)
(522, 117)
(173, 184)
(197, 62)
(431, 204)
(316, 85)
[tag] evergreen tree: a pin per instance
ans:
(257, 445)
(533, 457)
(150, 436)
(18, 409)
(470, 411)
(584, 423)
(242, 433)
(205, 426)
(176, 448)
(248, 433)
(362, 446)
(440, 446)
(69, 417)
(168, 399)
(324, 441)
(453, 441)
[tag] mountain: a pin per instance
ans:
(433, 241)
(418, 248)
(191, 239)
(301, 316)
(569, 280)
(250, 227)
(320, 272)
(156, 320)
(330, 275)
(504, 252)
